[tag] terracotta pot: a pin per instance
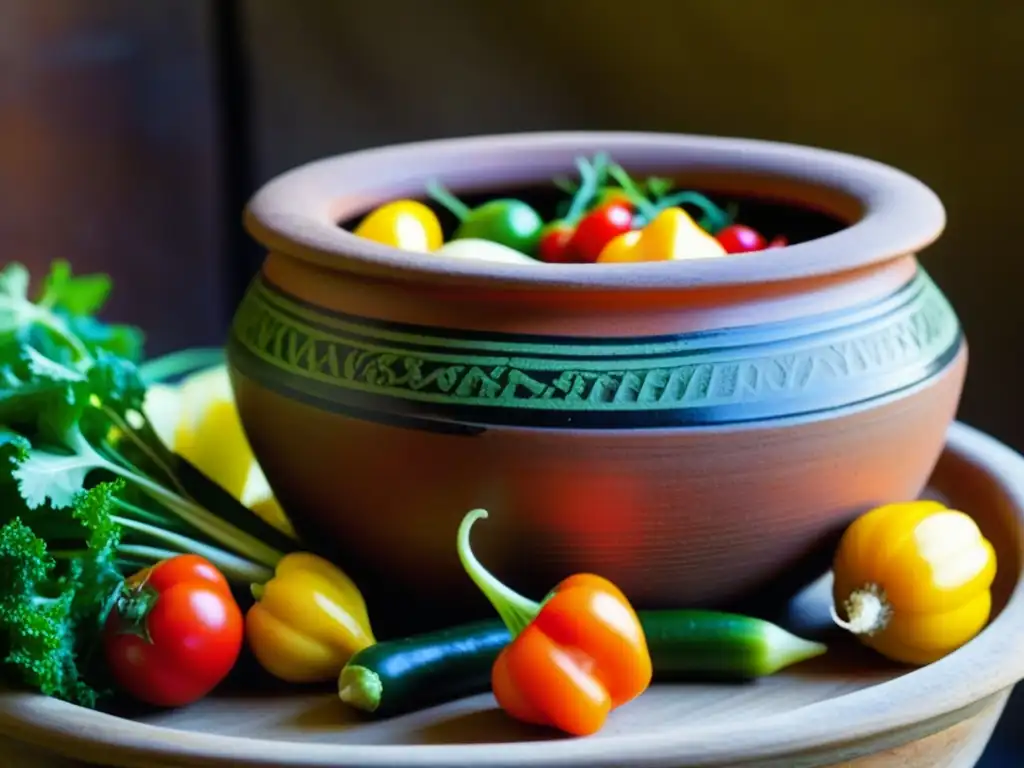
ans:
(693, 430)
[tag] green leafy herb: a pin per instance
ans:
(78, 295)
(88, 491)
(53, 608)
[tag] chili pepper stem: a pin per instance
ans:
(714, 219)
(867, 611)
(360, 687)
(643, 206)
(445, 198)
(515, 610)
(588, 189)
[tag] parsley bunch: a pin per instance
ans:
(88, 492)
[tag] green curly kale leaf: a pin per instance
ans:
(53, 603)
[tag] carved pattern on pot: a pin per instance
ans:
(731, 375)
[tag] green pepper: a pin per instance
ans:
(506, 221)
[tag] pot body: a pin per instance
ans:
(693, 444)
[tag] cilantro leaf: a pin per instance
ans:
(44, 476)
(52, 611)
(13, 447)
(62, 324)
(16, 310)
(81, 295)
(121, 340)
(36, 391)
(14, 281)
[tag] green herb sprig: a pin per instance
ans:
(88, 492)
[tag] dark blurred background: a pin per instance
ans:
(131, 133)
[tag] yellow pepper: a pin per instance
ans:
(405, 224)
(308, 620)
(671, 235)
(198, 419)
(913, 580)
(209, 432)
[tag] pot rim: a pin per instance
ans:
(890, 214)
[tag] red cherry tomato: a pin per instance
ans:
(554, 243)
(738, 238)
(598, 228)
(779, 241)
(176, 633)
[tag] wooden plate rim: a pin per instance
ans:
(991, 663)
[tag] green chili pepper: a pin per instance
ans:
(506, 221)
(400, 676)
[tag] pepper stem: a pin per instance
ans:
(445, 198)
(360, 687)
(714, 218)
(515, 610)
(643, 206)
(585, 194)
(867, 611)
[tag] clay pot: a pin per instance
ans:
(696, 431)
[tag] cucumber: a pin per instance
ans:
(399, 676)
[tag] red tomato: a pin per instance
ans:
(554, 242)
(598, 228)
(737, 238)
(176, 635)
(779, 241)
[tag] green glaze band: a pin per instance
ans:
(464, 381)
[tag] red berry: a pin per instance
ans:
(738, 238)
(598, 228)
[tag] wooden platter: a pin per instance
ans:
(847, 708)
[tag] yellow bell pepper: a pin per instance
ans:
(406, 224)
(671, 235)
(308, 620)
(913, 580)
(199, 420)
(209, 432)
(269, 510)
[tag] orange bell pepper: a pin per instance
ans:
(572, 659)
